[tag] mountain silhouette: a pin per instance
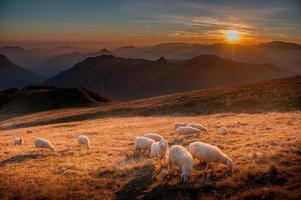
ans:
(126, 79)
(12, 75)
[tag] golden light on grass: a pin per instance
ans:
(232, 36)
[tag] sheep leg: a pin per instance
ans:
(206, 170)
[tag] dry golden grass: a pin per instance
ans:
(265, 148)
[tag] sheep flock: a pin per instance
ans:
(154, 146)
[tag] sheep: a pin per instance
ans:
(18, 141)
(181, 158)
(198, 126)
(43, 143)
(160, 150)
(153, 136)
(179, 124)
(209, 153)
(84, 140)
(143, 143)
(188, 130)
(223, 130)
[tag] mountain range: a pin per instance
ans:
(284, 55)
(11, 75)
(59, 63)
(125, 79)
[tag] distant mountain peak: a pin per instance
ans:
(161, 59)
(281, 44)
(104, 52)
(12, 49)
(4, 60)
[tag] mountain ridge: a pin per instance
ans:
(126, 78)
(12, 75)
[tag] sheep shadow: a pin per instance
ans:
(142, 179)
(177, 191)
(20, 158)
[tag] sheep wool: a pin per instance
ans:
(181, 158)
(188, 130)
(143, 143)
(18, 141)
(153, 136)
(210, 153)
(198, 126)
(160, 150)
(179, 124)
(43, 143)
(223, 130)
(84, 140)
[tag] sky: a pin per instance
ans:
(137, 22)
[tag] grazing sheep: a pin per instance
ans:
(143, 143)
(160, 150)
(188, 130)
(179, 124)
(43, 143)
(18, 141)
(198, 126)
(210, 153)
(84, 140)
(223, 130)
(153, 136)
(181, 158)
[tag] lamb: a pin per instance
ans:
(43, 143)
(153, 136)
(84, 140)
(188, 130)
(160, 150)
(143, 143)
(181, 158)
(210, 153)
(18, 141)
(179, 124)
(223, 130)
(198, 126)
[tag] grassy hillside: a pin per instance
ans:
(265, 149)
(40, 98)
(263, 140)
(279, 95)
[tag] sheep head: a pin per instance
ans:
(163, 145)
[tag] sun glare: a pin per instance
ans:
(232, 35)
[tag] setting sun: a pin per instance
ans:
(232, 35)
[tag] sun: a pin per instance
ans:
(232, 35)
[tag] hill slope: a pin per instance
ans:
(279, 95)
(12, 75)
(264, 147)
(127, 79)
(39, 98)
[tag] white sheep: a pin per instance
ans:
(18, 141)
(179, 124)
(84, 140)
(223, 130)
(188, 130)
(160, 150)
(143, 143)
(198, 126)
(43, 143)
(153, 136)
(181, 158)
(209, 153)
